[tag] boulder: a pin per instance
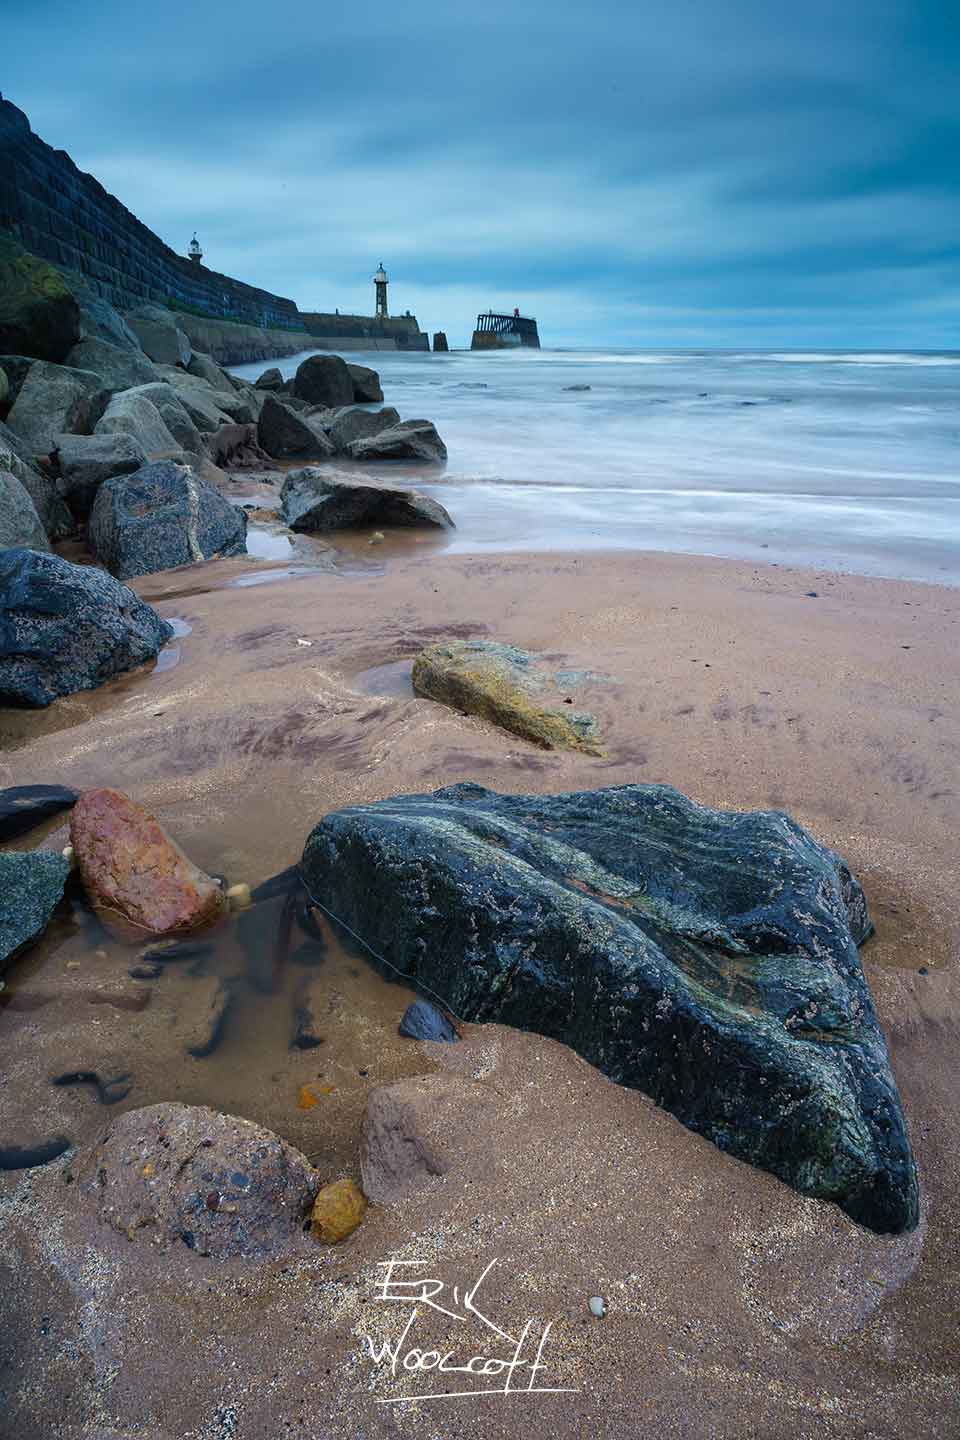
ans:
(119, 368)
(236, 448)
(354, 424)
(185, 1176)
(16, 368)
(31, 888)
(283, 433)
(270, 380)
(708, 958)
(175, 414)
(410, 440)
(323, 380)
(207, 369)
(313, 501)
(251, 395)
(366, 385)
(208, 408)
(508, 687)
(160, 337)
(22, 807)
(38, 315)
(67, 627)
(136, 878)
(161, 516)
(414, 1129)
(133, 413)
(337, 1211)
(50, 506)
(85, 461)
(98, 318)
(19, 522)
(54, 399)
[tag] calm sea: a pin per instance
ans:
(843, 460)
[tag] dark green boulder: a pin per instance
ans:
(706, 957)
(31, 887)
(38, 315)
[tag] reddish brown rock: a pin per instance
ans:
(136, 878)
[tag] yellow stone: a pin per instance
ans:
(337, 1211)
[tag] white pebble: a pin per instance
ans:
(598, 1306)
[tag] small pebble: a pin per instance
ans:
(239, 897)
(377, 538)
(598, 1306)
(67, 853)
(923, 970)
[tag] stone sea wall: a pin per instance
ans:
(65, 216)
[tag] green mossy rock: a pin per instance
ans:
(38, 315)
(504, 685)
(706, 957)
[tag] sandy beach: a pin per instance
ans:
(735, 1306)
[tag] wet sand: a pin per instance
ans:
(735, 1306)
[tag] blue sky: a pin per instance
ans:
(663, 172)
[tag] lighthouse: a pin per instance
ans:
(380, 283)
(194, 251)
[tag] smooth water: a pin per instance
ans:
(844, 460)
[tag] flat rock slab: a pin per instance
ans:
(708, 958)
(137, 879)
(68, 627)
(184, 1175)
(24, 806)
(31, 887)
(313, 501)
(510, 687)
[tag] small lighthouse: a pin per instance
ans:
(380, 282)
(194, 251)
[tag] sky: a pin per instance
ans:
(658, 173)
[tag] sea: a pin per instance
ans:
(839, 460)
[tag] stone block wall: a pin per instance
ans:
(67, 217)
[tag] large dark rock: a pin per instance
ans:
(85, 461)
(314, 501)
(353, 423)
(54, 399)
(19, 521)
(324, 380)
(31, 887)
(38, 315)
(67, 627)
(187, 1176)
(410, 440)
(366, 385)
(285, 434)
(161, 516)
(708, 958)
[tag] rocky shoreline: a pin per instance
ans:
(247, 1001)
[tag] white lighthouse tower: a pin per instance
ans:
(380, 282)
(194, 251)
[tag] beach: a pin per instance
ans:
(734, 1305)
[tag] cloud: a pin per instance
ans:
(634, 171)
